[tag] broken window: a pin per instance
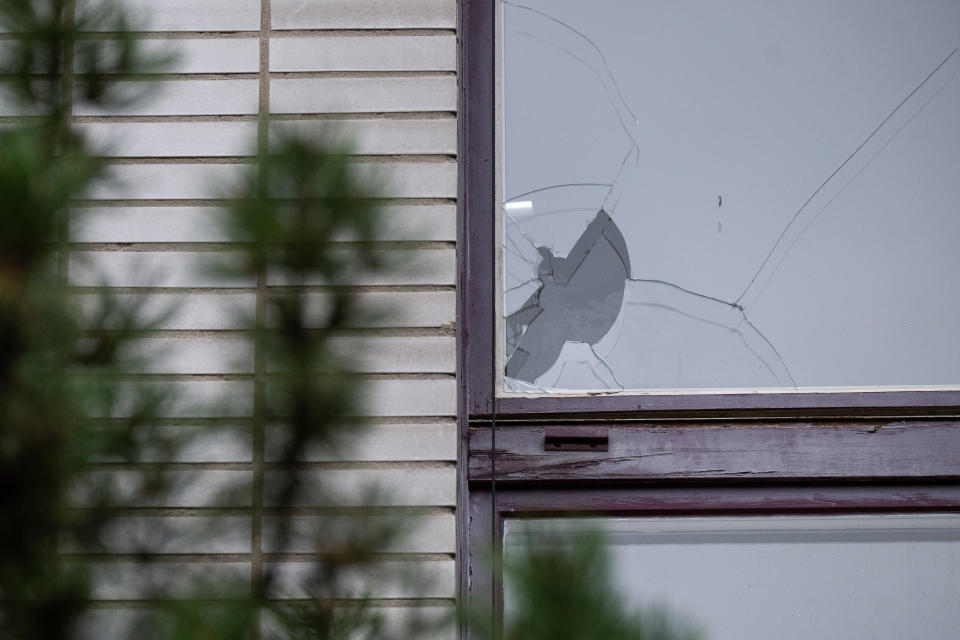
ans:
(739, 195)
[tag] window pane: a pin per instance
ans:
(736, 195)
(860, 577)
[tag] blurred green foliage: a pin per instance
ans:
(70, 411)
(59, 364)
(566, 591)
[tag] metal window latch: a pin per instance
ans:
(576, 439)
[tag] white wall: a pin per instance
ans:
(384, 71)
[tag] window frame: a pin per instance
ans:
(489, 512)
(697, 453)
(478, 159)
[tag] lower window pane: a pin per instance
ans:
(889, 576)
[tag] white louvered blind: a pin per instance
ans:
(383, 72)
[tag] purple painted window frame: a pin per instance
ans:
(488, 515)
(680, 454)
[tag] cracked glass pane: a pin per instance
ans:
(740, 195)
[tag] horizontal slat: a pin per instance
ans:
(398, 355)
(363, 14)
(184, 311)
(407, 579)
(171, 534)
(415, 179)
(190, 444)
(206, 224)
(381, 136)
(206, 444)
(145, 581)
(195, 55)
(162, 181)
(418, 222)
(210, 399)
(407, 397)
(151, 269)
(427, 309)
(363, 95)
(413, 487)
(199, 488)
(415, 622)
(399, 53)
(411, 397)
(211, 311)
(206, 355)
(193, 181)
(189, 15)
(98, 623)
(404, 534)
(200, 55)
(205, 139)
(196, 398)
(420, 622)
(380, 443)
(148, 224)
(160, 139)
(396, 309)
(11, 107)
(181, 98)
(194, 269)
(209, 55)
(428, 266)
(235, 355)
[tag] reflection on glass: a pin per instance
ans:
(739, 195)
(876, 577)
